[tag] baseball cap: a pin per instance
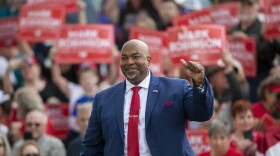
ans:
(275, 88)
(30, 60)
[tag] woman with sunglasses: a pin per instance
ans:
(5, 149)
(30, 148)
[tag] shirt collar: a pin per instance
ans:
(144, 84)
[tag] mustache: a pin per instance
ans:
(130, 67)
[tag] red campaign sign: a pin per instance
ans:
(225, 14)
(156, 65)
(59, 115)
(70, 5)
(268, 120)
(272, 18)
(199, 140)
(244, 50)
(156, 40)
(38, 23)
(262, 5)
(8, 31)
(202, 43)
(80, 43)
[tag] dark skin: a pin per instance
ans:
(135, 61)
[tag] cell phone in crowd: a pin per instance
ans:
(27, 136)
(248, 135)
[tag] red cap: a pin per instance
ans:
(275, 88)
(90, 65)
(30, 60)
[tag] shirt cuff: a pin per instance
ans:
(201, 88)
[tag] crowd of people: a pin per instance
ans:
(244, 108)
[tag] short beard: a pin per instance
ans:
(128, 76)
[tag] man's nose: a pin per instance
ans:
(130, 61)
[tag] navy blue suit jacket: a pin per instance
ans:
(164, 123)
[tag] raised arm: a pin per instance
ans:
(232, 77)
(57, 77)
(7, 84)
(82, 12)
(26, 48)
(113, 71)
(199, 99)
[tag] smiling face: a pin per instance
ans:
(36, 124)
(244, 121)
(135, 61)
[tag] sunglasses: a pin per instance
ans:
(31, 154)
(35, 124)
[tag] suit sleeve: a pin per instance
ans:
(198, 102)
(93, 143)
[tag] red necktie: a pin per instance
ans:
(132, 134)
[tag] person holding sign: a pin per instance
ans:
(251, 26)
(146, 114)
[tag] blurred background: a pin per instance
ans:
(56, 55)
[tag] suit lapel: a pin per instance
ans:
(152, 98)
(119, 104)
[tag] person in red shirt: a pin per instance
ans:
(268, 109)
(219, 141)
(244, 138)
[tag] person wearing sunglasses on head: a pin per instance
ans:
(30, 148)
(36, 122)
(267, 110)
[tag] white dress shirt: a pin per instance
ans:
(143, 93)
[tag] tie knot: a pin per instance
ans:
(136, 89)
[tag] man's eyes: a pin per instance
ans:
(135, 57)
(123, 58)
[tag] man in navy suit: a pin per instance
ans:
(145, 115)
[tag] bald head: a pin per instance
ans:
(36, 122)
(139, 44)
(37, 114)
(135, 61)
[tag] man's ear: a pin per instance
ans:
(149, 59)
